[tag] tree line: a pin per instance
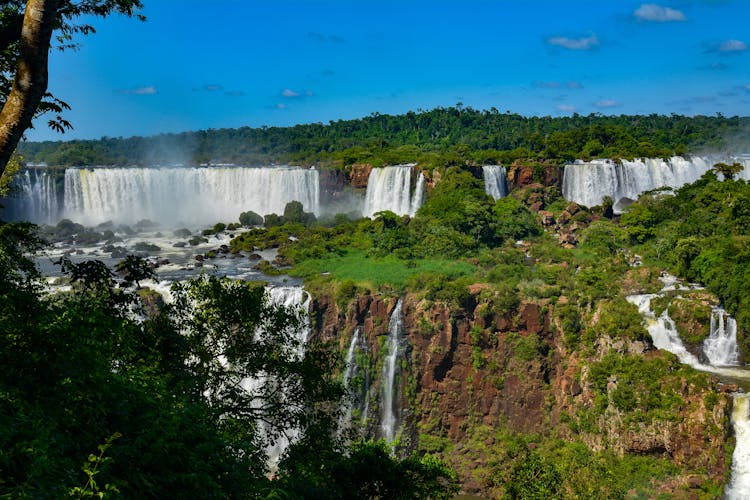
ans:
(444, 136)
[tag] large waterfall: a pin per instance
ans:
(723, 360)
(495, 182)
(36, 198)
(390, 188)
(186, 196)
(588, 182)
(390, 405)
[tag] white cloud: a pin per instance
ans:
(574, 85)
(658, 13)
(141, 90)
(607, 103)
(566, 108)
(290, 93)
(281, 105)
(732, 46)
(583, 43)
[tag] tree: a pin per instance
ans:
(727, 170)
(25, 40)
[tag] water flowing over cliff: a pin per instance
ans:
(171, 196)
(721, 351)
(36, 198)
(588, 182)
(720, 347)
(495, 183)
(390, 407)
(390, 188)
(739, 482)
(356, 381)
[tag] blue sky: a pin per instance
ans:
(229, 63)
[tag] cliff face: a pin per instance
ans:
(470, 372)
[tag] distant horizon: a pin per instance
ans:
(236, 63)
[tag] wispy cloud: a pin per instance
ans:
(652, 12)
(320, 37)
(606, 103)
(281, 105)
(293, 94)
(732, 46)
(557, 85)
(140, 90)
(582, 43)
(565, 108)
(235, 93)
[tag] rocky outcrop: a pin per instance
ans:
(332, 185)
(359, 175)
(525, 173)
(487, 368)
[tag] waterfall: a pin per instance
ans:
(418, 197)
(35, 198)
(739, 482)
(721, 351)
(390, 407)
(663, 330)
(720, 347)
(389, 188)
(293, 298)
(495, 183)
(356, 395)
(190, 196)
(588, 182)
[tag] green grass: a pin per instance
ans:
(368, 270)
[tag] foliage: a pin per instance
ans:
(167, 394)
(436, 138)
(364, 470)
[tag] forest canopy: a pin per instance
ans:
(445, 136)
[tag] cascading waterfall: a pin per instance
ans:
(297, 300)
(665, 336)
(36, 198)
(495, 183)
(738, 487)
(169, 195)
(390, 407)
(720, 347)
(588, 182)
(389, 188)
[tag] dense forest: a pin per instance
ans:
(442, 136)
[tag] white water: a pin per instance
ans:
(738, 487)
(723, 360)
(389, 398)
(389, 188)
(298, 301)
(495, 183)
(184, 196)
(351, 370)
(588, 182)
(36, 198)
(720, 347)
